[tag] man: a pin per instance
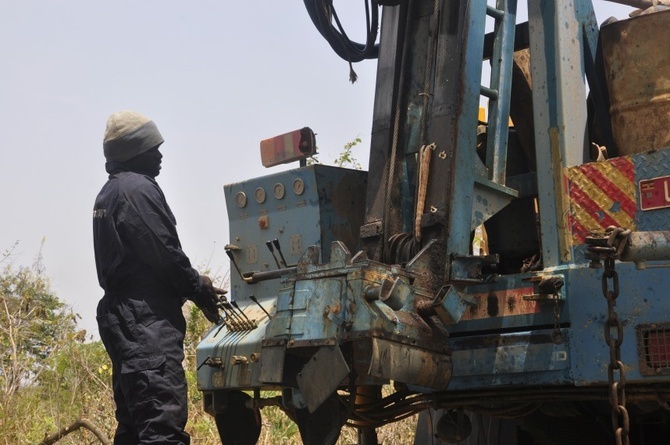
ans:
(146, 278)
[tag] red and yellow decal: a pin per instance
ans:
(601, 194)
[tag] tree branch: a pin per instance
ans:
(80, 423)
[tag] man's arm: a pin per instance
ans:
(149, 228)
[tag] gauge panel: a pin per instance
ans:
(298, 186)
(259, 194)
(241, 199)
(279, 190)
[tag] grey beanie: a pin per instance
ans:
(129, 134)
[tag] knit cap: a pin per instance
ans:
(129, 134)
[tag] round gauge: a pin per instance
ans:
(241, 199)
(279, 190)
(298, 186)
(260, 195)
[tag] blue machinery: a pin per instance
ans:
(348, 280)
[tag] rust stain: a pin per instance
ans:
(502, 303)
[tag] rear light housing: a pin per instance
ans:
(288, 147)
(653, 345)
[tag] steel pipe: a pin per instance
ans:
(647, 246)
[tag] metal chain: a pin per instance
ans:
(557, 335)
(607, 248)
(617, 386)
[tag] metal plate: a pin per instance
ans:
(322, 375)
(403, 363)
(272, 364)
(508, 354)
(503, 303)
(655, 193)
(649, 166)
(601, 194)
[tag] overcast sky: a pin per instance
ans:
(217, 77)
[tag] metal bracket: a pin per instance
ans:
(544, 297)
(473, 269)
(321, 376)
(450, 304)
(548, 288)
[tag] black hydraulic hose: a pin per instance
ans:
(323, 13)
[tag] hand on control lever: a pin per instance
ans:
(207, 299)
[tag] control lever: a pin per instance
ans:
(225, 322)
(230, 313)
(229, 252)
(239, 319)
(272, 251)
(251, 323)
(281, 255)
(252, 298)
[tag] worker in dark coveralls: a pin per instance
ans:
(146, 278)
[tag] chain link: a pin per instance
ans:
(607, 248)
(616, 373)
(557, 335)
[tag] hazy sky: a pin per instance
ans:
(217, 77)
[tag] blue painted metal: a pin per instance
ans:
(559, 101)
(504, 359)
(317, 206)
(450, 304)
(501, 80)
(648, 166)
(461, 147)
(320, 213)
(391, 320)
(528, 358)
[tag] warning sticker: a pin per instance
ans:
(655, 193)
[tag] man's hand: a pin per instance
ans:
(206, 299)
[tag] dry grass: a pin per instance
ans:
(278, 429)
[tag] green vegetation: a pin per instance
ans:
(51, 376)
(345, 158)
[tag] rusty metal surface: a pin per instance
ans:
(322, 375)
(450, 304)
(404, 363)
(272, 364)
(509, 354)
(636, 68)
(501, 304)
(647, 246)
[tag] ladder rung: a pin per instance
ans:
(495, 13)
(488, 92)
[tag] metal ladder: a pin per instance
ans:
(500, 88)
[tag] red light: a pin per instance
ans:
(298, 144)
(263, 222)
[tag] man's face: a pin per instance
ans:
(147, 163)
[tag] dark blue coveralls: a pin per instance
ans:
(146, 278)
